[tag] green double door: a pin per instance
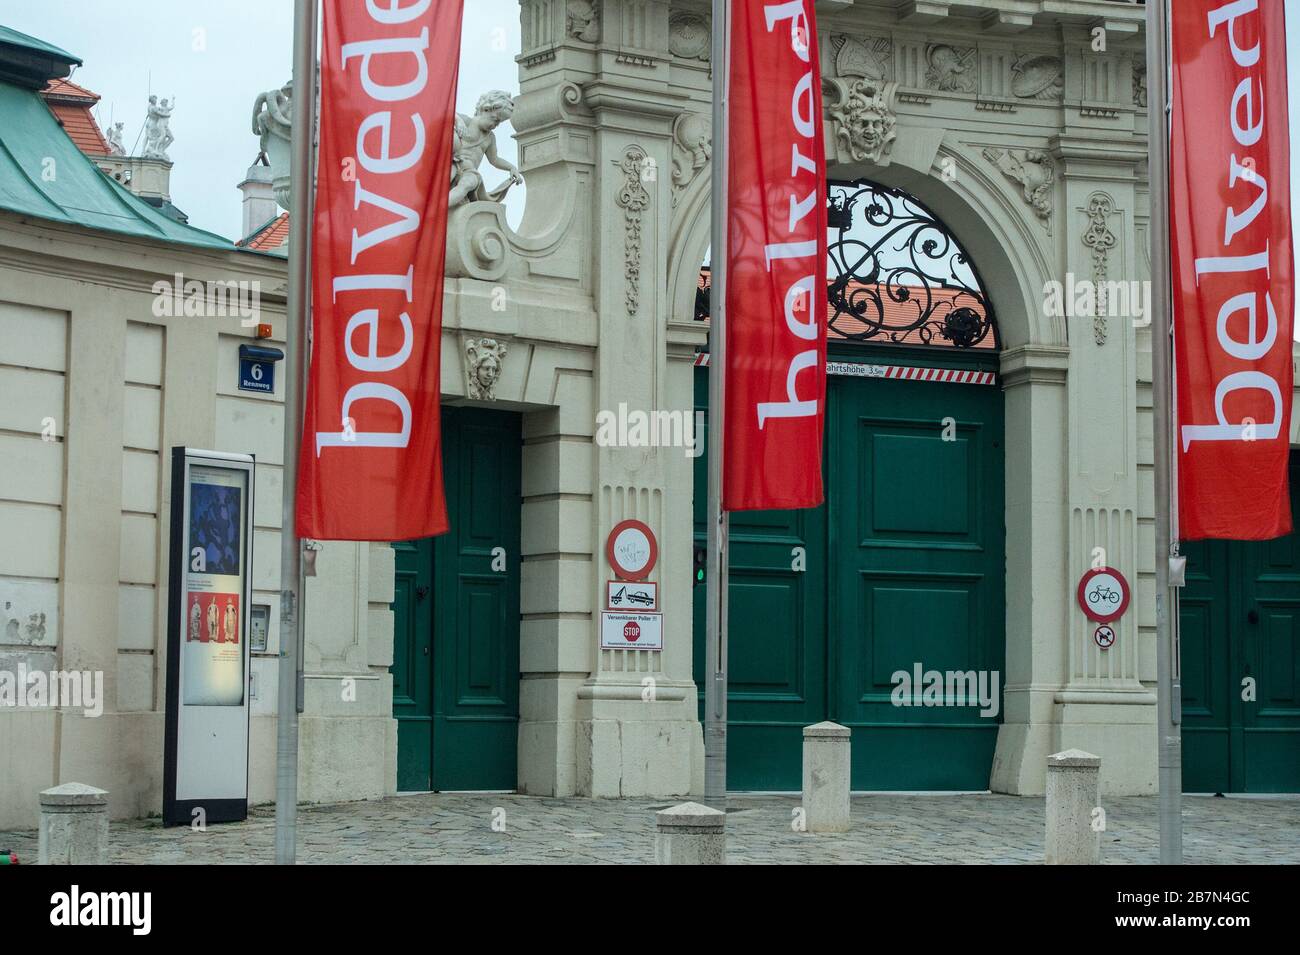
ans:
(456, 618)
(903, 565)
(1240, 617)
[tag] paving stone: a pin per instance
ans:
(888, 828)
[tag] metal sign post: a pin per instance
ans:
(715, 670)
(301, 171)
(1168, 683)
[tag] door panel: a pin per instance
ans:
(918, 575)
(1271, 725)
(776, 661)
(1240, 618)
(456, 655)
(1208, 700)
(476, 615)
(903, 563)
(412, 670)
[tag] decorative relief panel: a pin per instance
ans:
(951, 69)
(633, 200)
(1140, 84)
(1038, 77)
(582, 20)
(868, 57)
(692, 149)
(1034, 171)
(689, 36)
(1099, 240)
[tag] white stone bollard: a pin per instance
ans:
(690, 834)
(74, 826)
(826, 771)
(1073, 794)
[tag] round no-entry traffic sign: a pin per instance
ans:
(1104, 636)
(631, 632)
(632, 550)
(1103, 594)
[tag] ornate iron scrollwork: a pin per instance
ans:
(897, 274)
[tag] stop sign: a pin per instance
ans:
(631, 631)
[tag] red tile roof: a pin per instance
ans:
(897, 315)
(269, 237)
(71, 105)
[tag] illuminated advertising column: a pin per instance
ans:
(206, 758)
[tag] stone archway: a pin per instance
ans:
(1012, 260)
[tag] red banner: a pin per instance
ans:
(371, 462)
(776, 262)
(1230, 201)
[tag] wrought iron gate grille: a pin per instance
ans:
(896, 274)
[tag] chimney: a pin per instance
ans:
(259, 200)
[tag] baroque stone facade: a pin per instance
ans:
(1010, 127)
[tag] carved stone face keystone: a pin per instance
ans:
(483, 357)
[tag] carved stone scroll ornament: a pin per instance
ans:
(582, 20)
(483, 358)
(633, 198)
(951, 69)
(689, 36)
(1099, 240)
(1034, 171)
(692, 149)
(863, 111)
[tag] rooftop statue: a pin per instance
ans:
(474, 141)
(157, 129)
(115, 146)
(273, 115)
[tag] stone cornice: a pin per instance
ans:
(1034, 364)
(126, 262)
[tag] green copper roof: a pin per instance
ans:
(44, 175)
(14, 38)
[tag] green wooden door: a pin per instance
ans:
(903, 563)
(1240, 616)
(456, 660)
(412, 664)
(917, 545)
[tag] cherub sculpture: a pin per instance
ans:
(475, 140)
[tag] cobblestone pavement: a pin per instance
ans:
(925, 829)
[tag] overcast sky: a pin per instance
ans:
(215, 56)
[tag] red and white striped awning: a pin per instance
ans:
(854, 369)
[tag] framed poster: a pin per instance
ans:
(205, 764)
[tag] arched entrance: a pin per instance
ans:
(884, 609)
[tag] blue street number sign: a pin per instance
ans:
(256, 375)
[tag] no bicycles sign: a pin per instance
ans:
(1103, 594)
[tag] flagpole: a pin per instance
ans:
(1168, 682)
(715, 670)
(289, 698)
